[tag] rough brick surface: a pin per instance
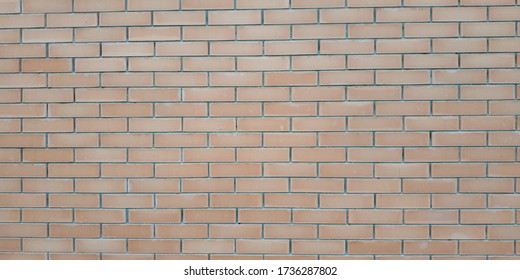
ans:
(259, 129)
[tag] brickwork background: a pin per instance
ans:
(264, 129)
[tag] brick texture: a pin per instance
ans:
(259, 129)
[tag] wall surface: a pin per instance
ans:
(264, 129)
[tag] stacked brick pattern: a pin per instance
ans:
(263, 129)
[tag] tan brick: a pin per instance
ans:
(153, 5)
(401, 232)
(98, 5)
(458, 232)
(318, 246)
(123, 19)
(374, 247)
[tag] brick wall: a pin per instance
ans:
(213, 129)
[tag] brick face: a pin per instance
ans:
(259, 129)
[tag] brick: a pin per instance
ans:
(295, 231)
(127, 49)
(72, 80)
(159, 185)
(405, 14)
(392, 46)
(374, 217)
(235, 48)
(22, 200)
(99, 216)
(206, 95)
(180, 140)
(24, 230)
(35, 6)
(294, 78)
(346, 78)
(487, 29)
(181, 79)
(399, 231)
(211, 64)
(127, 201)
(10, 6)
(10, 215)
(130, 140)
(425, 30)
(136, 5)
(97, 5)
(431, 61)
(374, 93)
(374, 247)
(214, 246)
(318, 246)
(431, 217)
(46, 35)
(209, 155)
(22, 80)
(374, 31)
(50, 185)
(431, 123)
(71, 20)
(403, 77)
(454, 45)
(487, 216)
(490, 247)
(503, 201)
(177, 170)
(458, 232)
(100, 185)
(126, 170)
(235, 231)
(267, 184)
(22, 170)
(122, 19)
(430, 247)
(374, 62)
(209, 216)
(180, 231)
(290, 16)
(36, 155)
(147, 155)
(10, 244)
(290, 47)
(268, 4)
(74, 50)
(331, 31)
(485, 185)
(234, 79)
(263, 33)
(154, 34)
(154, 246)
(502, 232)
(47, 95)
(73, 140)
(47, 245)
(182, 48)
(127, 231)
(208, 33)
(52, 65)
(263, 63)
(74, 200)
(153, 94)
(9, 36)
(100, 245)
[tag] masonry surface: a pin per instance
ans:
(259, 129)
